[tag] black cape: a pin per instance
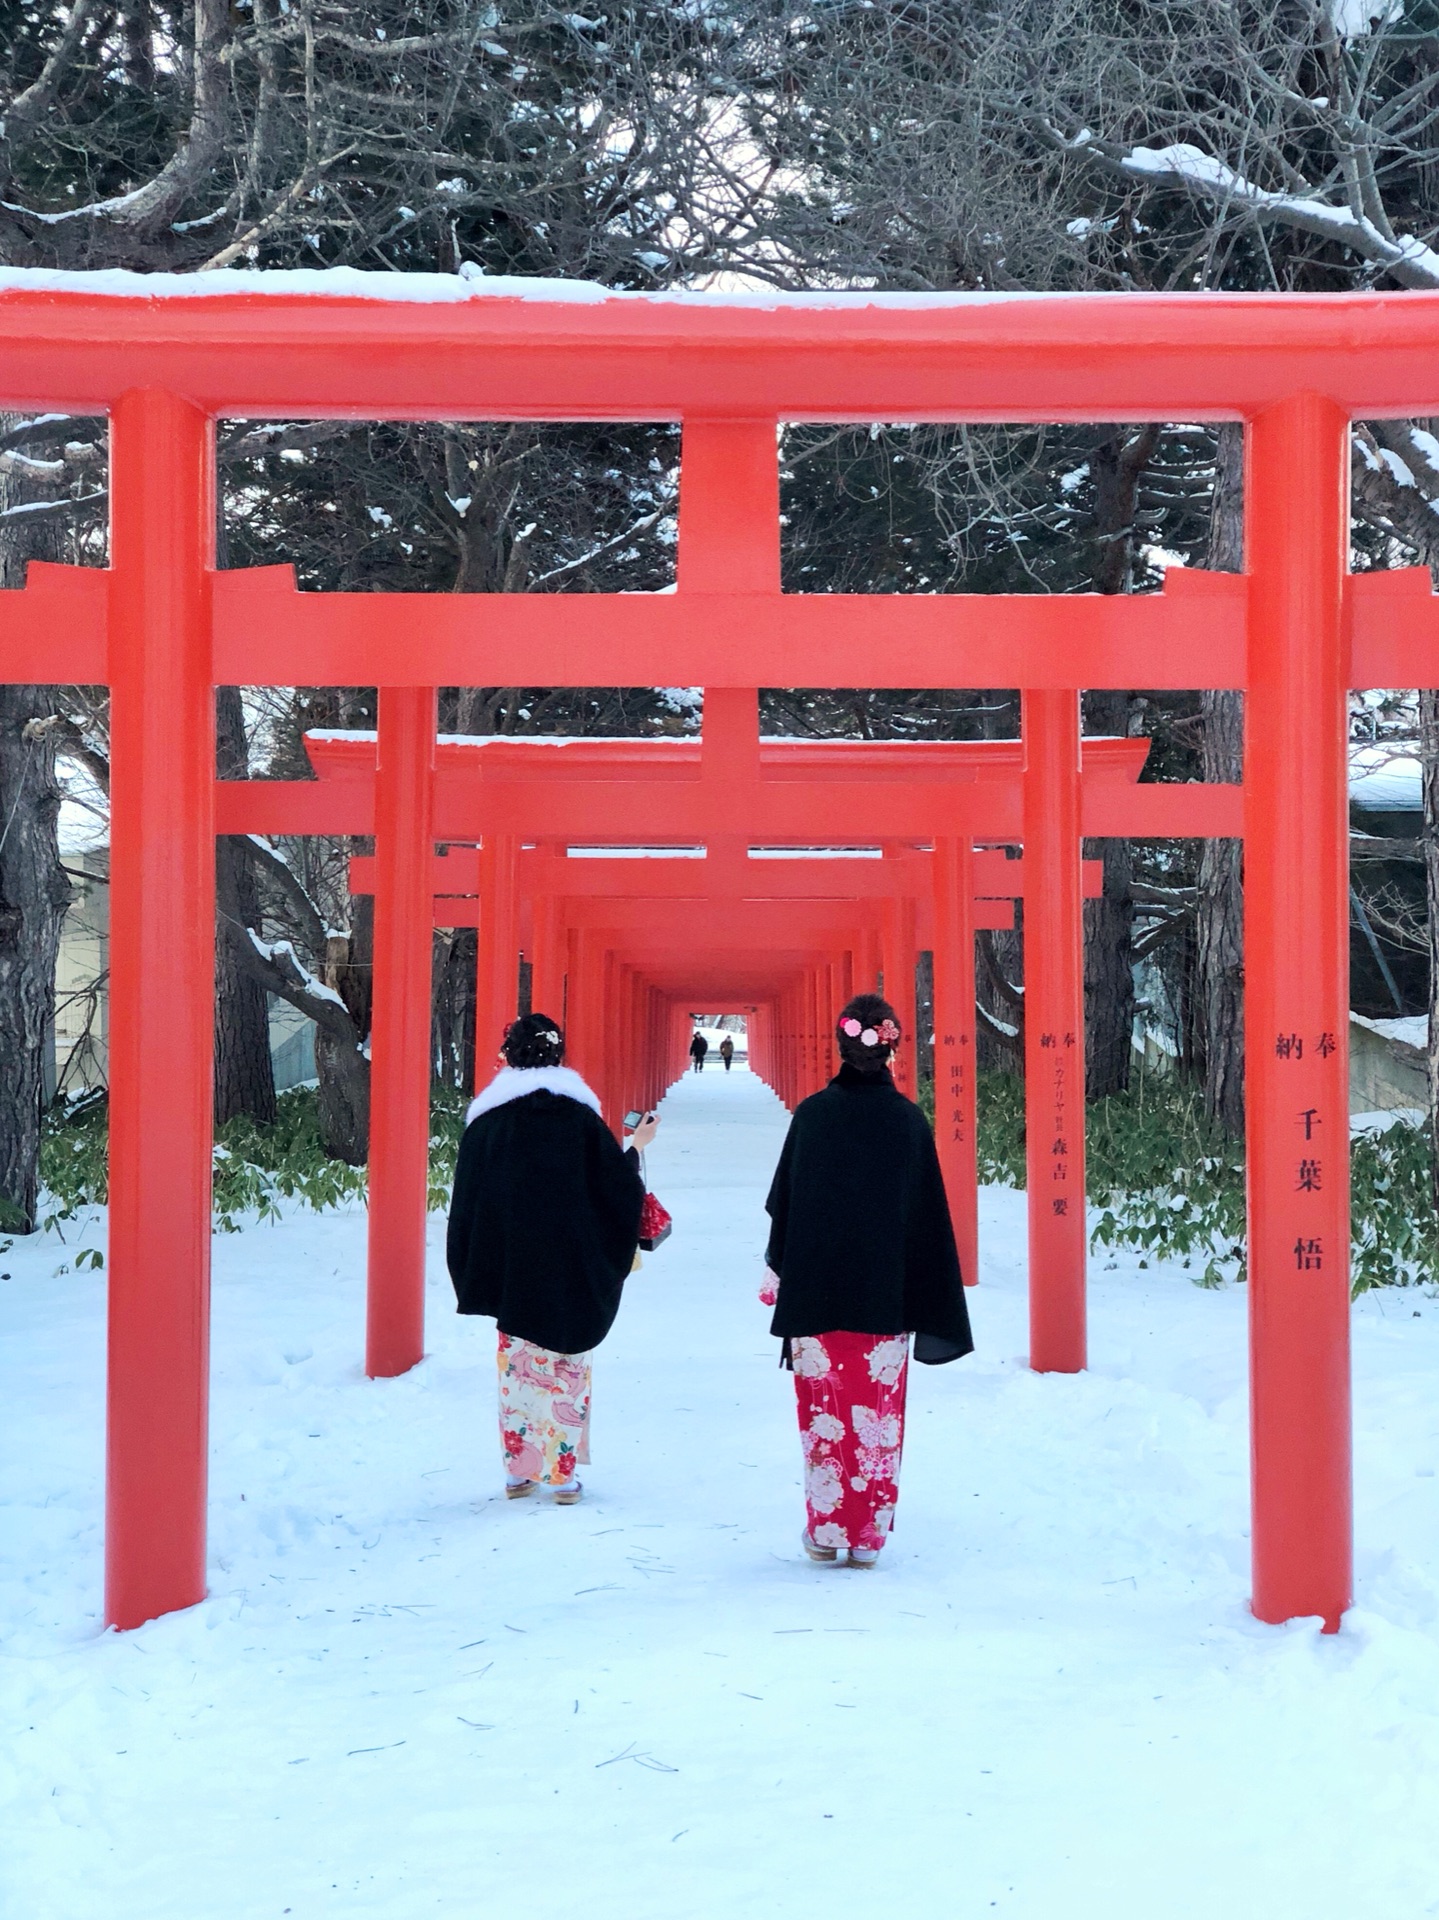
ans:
(860, 1234)
(544, 1221)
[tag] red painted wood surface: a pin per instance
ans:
(162, 964)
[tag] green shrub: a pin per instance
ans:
(1166, 1182)
(255, 1167)
(1170, 1184)
(1394, 1233)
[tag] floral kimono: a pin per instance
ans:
(850, 1390)
(544, 1412)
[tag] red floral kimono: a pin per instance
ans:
(850, 1390)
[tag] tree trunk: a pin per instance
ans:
(999, 1002)
(244, 1072)
(1429, 760)
(344, 1096)
(1219, 922)
(1109, 939)
(1117, 464)
(342, 1063)
(453, 1020)
(34, 894)
(924, 1019)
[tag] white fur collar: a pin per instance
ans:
(513, 1083)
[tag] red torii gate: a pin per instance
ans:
(717, 788)
(878, 915)
(164, 628)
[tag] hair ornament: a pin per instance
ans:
(886, 1034)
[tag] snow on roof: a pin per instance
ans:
(1410, 1030)
(469, 284)
(1382, 780)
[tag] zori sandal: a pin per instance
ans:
(825, 1556)
(517, 1489)
(568, 1496)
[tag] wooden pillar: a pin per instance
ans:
(1296, 1017)
(1054, 1031)
(547, 963)
(400, 1031)
(497, 950)
(162, 970)
(898, 959)
(866, 972)
(954, 1070)
(586, 994)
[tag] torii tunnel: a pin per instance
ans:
(630, 952)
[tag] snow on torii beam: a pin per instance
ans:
(163, 629)
(894, 790)
(354, 345)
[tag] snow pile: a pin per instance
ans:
(407, 1698)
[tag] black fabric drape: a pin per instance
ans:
(544, 1221)
(860, 1234)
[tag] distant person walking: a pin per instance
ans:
(544, 1223)
(699, 1047)
(727, 1052)
(861, 1256)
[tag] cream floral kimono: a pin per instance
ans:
(544, 1412)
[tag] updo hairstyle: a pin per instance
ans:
(867, 1032)
(534, 1040)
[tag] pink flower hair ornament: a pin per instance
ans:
(885, 1034)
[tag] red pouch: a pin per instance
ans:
(656, 1225)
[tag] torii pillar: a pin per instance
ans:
(954, 1070)
(400, 1031)
(162, 974)
(1054, 1030)
(1296, 942)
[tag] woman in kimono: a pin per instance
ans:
(861, 1257)
(544, 1223)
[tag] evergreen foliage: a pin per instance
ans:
(256, 1168)
(1169, 1184)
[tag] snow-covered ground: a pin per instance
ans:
(406, 1697)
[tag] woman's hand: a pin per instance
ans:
(645, 1132)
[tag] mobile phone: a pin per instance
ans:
(632, 1120)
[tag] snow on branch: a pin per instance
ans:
(281, 955)
(1407, 259)
(52, 509)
